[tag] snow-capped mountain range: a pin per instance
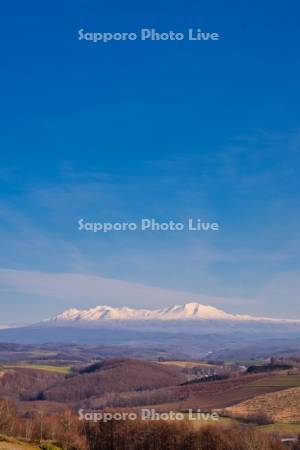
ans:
(189, 311)
(191, 329)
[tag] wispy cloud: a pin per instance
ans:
(247, 186)
(89, 290)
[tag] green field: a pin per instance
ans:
(281, 381)
(282, 428)
(46, 367)
(245, 362)
(183, 364)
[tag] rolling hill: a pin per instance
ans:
(282, 406)
(113, 375)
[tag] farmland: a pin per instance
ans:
(46, 386)
(278, 381)
(280, 406)
(45, 367)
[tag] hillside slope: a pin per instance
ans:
(113, 375)
(281, 406)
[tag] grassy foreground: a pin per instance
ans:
(10, 443)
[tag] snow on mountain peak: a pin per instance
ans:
(195, 311)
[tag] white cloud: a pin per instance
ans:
(83, 290)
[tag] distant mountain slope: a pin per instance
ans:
(191, 329)
(189, 311)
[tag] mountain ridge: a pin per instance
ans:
(189, 311)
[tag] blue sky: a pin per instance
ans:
(124, 130)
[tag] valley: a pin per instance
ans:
(39, 385)
(191, 361)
